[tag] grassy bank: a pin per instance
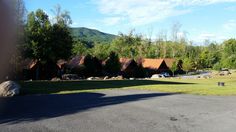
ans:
(187, 86)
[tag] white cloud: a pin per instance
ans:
(202, 37)
(206, 36)
(110, 21)
(182, 34)
(75, 24)
(226, 31)
(141, 12)
(231, 8)
(230, 25)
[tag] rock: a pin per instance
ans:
(155, 76)
(224, 72)
(55, 79)
(119, 78)
(90, 78)
(93, 78)
(206, 76)
(106, 78)
(70, 77)
(9, 89)
(131, 78)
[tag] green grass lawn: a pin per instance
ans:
(187, 86)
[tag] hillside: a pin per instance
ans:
(92, 35)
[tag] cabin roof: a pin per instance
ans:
(76, 61)
(125, 62)
(28, 63)
(169, 62)
(152, 63)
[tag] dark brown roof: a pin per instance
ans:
(28, 63)
(125, 62)
(76, 61)
(104, 62)
(61, 62)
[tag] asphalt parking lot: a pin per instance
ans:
(118, 111)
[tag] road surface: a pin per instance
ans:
(118, 111)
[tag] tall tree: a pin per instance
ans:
(174, 67)
(61, 17)
(127, 45)
(80, 48)
(38, 36)
(112, 65)
(101, 51)
(187, 65)
(61, 43)
(47, 43)
(229, 54)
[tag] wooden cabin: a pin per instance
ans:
(156, 66)
(130, 68)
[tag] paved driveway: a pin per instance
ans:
(118, 111)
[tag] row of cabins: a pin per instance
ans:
(129, 68)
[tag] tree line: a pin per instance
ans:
(208, 56)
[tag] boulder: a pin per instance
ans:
(117, 78)
(70, 77)
(206, 76)
(93, 78)
(55, 79)
(155, 76)
(9, 89)
(131, 78)
(106, 78)
(90, 78)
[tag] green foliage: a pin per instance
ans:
(229, 54)
(80, 48)
(92, 66)
(174, 67)
(209, 56)
(37, 30)
(92, 36)
(101, 51)
(217, 66)
(187, 65)
(128, 45)
(61, 43)
(112, 66)
(46, 42)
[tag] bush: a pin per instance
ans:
(217, 66)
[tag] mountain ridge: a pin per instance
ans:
(92, 35)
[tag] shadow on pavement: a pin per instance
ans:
(39, 107)
(49, 87)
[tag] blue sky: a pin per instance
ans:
(200, 19)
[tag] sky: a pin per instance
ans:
(200, 20)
